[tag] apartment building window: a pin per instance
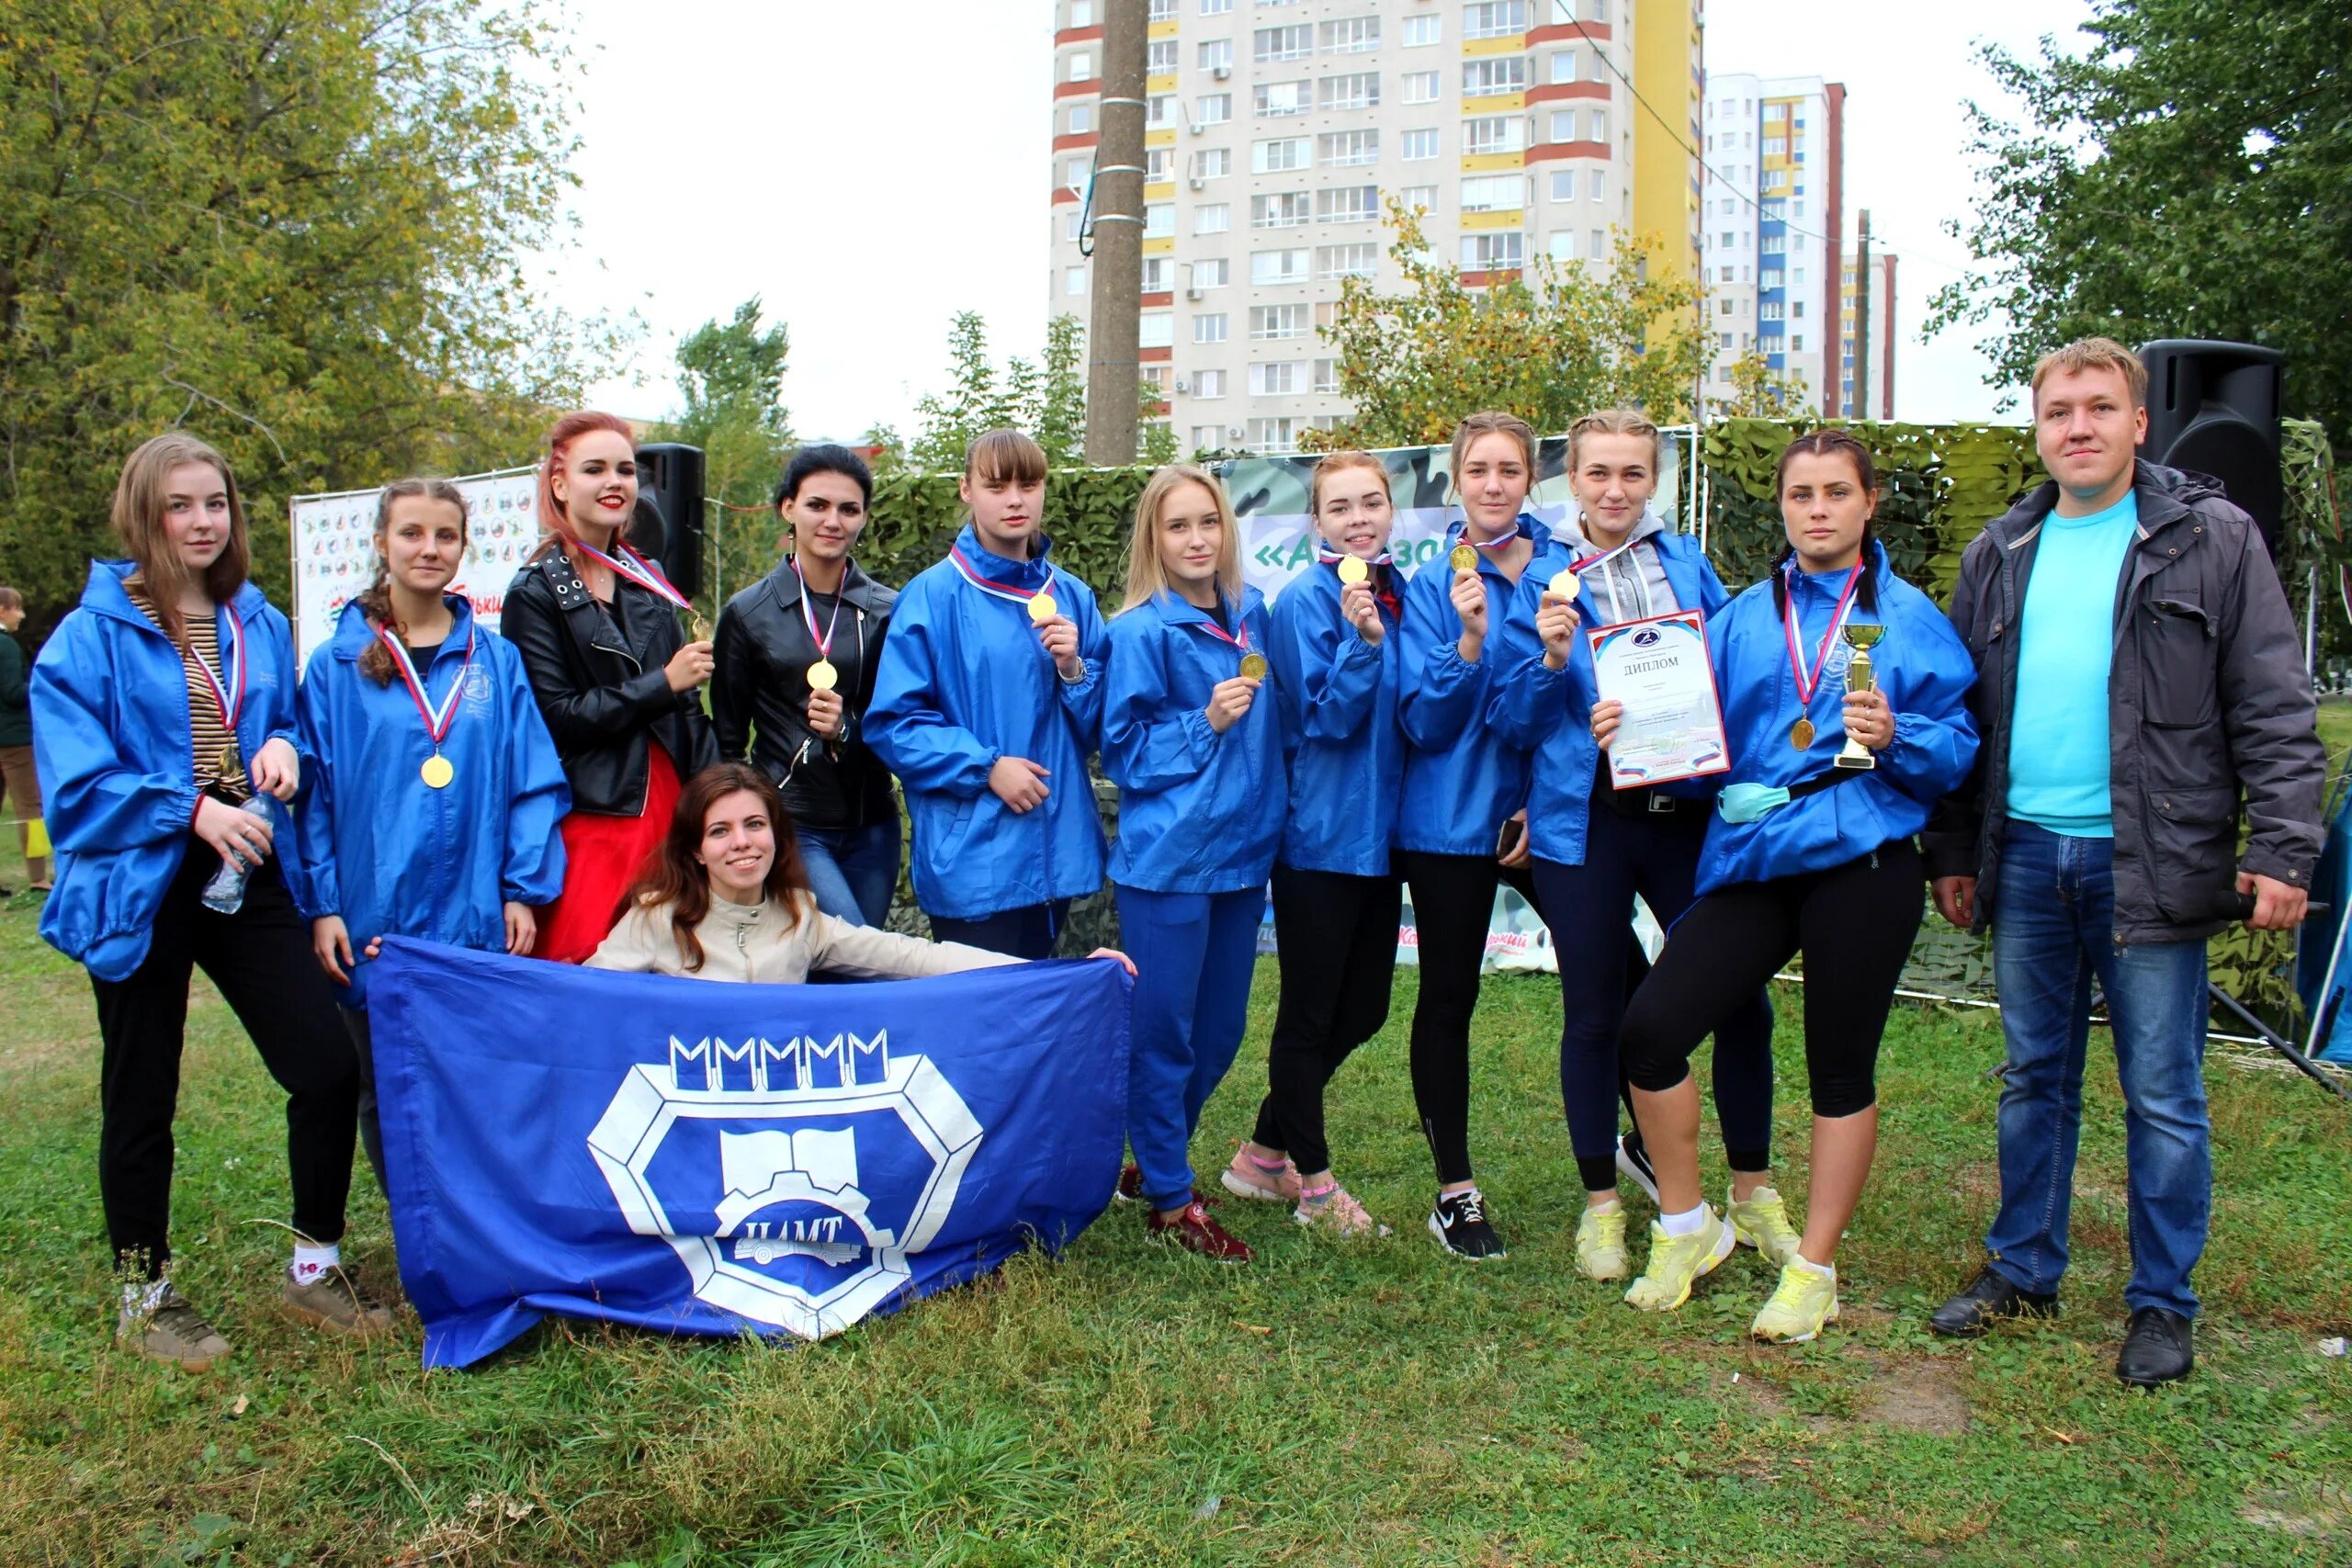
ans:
(1071, 223)
(1210, 383)
(1563, 125)
(1597, 119)
(1494, 18)
(1726, 239)
(1158, 165)
(1723, 308)
(1796, 342)
(1775, 210)
(1494, 133)
(1073, 280)
(1797, 309)
(1771, 310)
(1356, 90)
(1212, 109)
(1270, 44)
(1564, 245)
(1081, 12)
(1074, 172)
(1161, 11)
(1276, 436)
(1156, 273)
(1564, 185)
(1725, 343)
(1352, 35)
(1346, 261)
(1327, 376)
(1494, 193)
(1160, 109)
(1493, 252)
(1209, 328)
(1422, 197)
(1726, 274)
(1082, 118)
(1348, 148)
(1158, 219)
(1215, 54)
(1348, 204)
(1155, 328)
(1422, 31)
(1600, 186)
(1267, 267)
(1284, 97)
(1277, 378)
(1082, 65)
(1494, 75)
(1599, 244)
(1211, 163)
(1775, 147)
(1212, 218)
(1280, 154)
(1421, 86)
(1214, 272)
(1417, 145)
(1209, 437)
(1774, 244)
(1564, 65)
(1270, 321)
(1775, 111)
(1159, 57)
(1217, 7)
(1283, 210)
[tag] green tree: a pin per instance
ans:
(1048, 399)
(297, 230)
(2184, 177)
(1759, 391)
(1547, 346)
(731, 374)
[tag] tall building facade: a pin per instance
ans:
(1873, 398)
(1277, 130)
(1779, 249)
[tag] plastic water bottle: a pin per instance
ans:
(225, 894)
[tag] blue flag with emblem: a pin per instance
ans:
(702, 1157)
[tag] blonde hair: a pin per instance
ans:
(140, 497)
(2094, 353)
(1338, 463)
(1146, 571)
(1493, 422)
(1616, 422)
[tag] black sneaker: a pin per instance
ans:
(1459, 1223)
(1634, 1160)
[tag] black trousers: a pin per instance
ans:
(1337, 941)
(1025, 933)
(1853, 923)
(260, 959)
(371, 1121)
(1454, 903)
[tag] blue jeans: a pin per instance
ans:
(853, 871)
(1195, 953)
(2052, 932)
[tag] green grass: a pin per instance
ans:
(1328, 1405)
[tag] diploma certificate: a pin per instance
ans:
(1673, 724)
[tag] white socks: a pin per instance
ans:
(309, 1262)
(1827, 1271)
(1691, 1224)
(140, 1299)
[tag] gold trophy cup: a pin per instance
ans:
(1862, 639)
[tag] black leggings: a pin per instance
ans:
(1853, 923)
(1454, 903)
(1026, 933)
(260, 960)
(1336, 940)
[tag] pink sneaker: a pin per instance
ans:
(1334, 1210)
(1247, 1177)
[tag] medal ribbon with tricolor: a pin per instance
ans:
(822, 676)
(644, 573)
(233, 663)
(1011, 595)
(1253, 665)
(1808, 682)
(437, 770)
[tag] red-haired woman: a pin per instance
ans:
(616, 679)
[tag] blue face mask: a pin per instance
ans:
(1745, 803)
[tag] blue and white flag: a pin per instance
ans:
(703, 1158)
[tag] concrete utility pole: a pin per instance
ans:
(1111, 346)
(1862, 321)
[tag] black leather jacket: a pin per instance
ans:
(599, 677)
(759, 696)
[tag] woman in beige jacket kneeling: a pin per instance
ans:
(726, 900)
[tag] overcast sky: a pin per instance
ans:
(871, 170)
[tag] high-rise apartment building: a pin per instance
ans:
(1277, 130)
(1875, 399)
(1778, 248)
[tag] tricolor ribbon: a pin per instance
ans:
(645, 574)
(1011, 595)
(1240, 641)
(1599, 561)
(1808, 683)
(437, 720)
(825, 643)
(233, 664)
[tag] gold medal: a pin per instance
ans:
(1801, 734)
(1253, 666)
(437, 772)
(228, 764)
(1463, 558)
(1563, 585)
(1042, 609)
(701, 628)
(822, 676)
(1352, 571)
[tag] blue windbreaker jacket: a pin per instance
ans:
(1548, 712)
(396, 858)
(1336, 696)
(1199, 812)
(1925, 672)
(964, 681)
(1464, 776)
(117, 771)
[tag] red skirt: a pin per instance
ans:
(602, 859)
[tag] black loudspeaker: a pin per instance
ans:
(2213, 410)
(669, 485)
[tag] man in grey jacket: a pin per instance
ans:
(2138, 674)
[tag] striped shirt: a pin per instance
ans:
(210, 738)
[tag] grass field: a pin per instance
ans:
(1371, 1404)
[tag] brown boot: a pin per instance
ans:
(175, 1332)
(334, 1303)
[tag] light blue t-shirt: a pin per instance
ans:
(2058, 739)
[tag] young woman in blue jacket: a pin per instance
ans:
(1462, 831)
(1802, 856)
(1337, 899)
(1194, 745)
(1597, 846)
(162, 707)
(435, 789)
(986, 702)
